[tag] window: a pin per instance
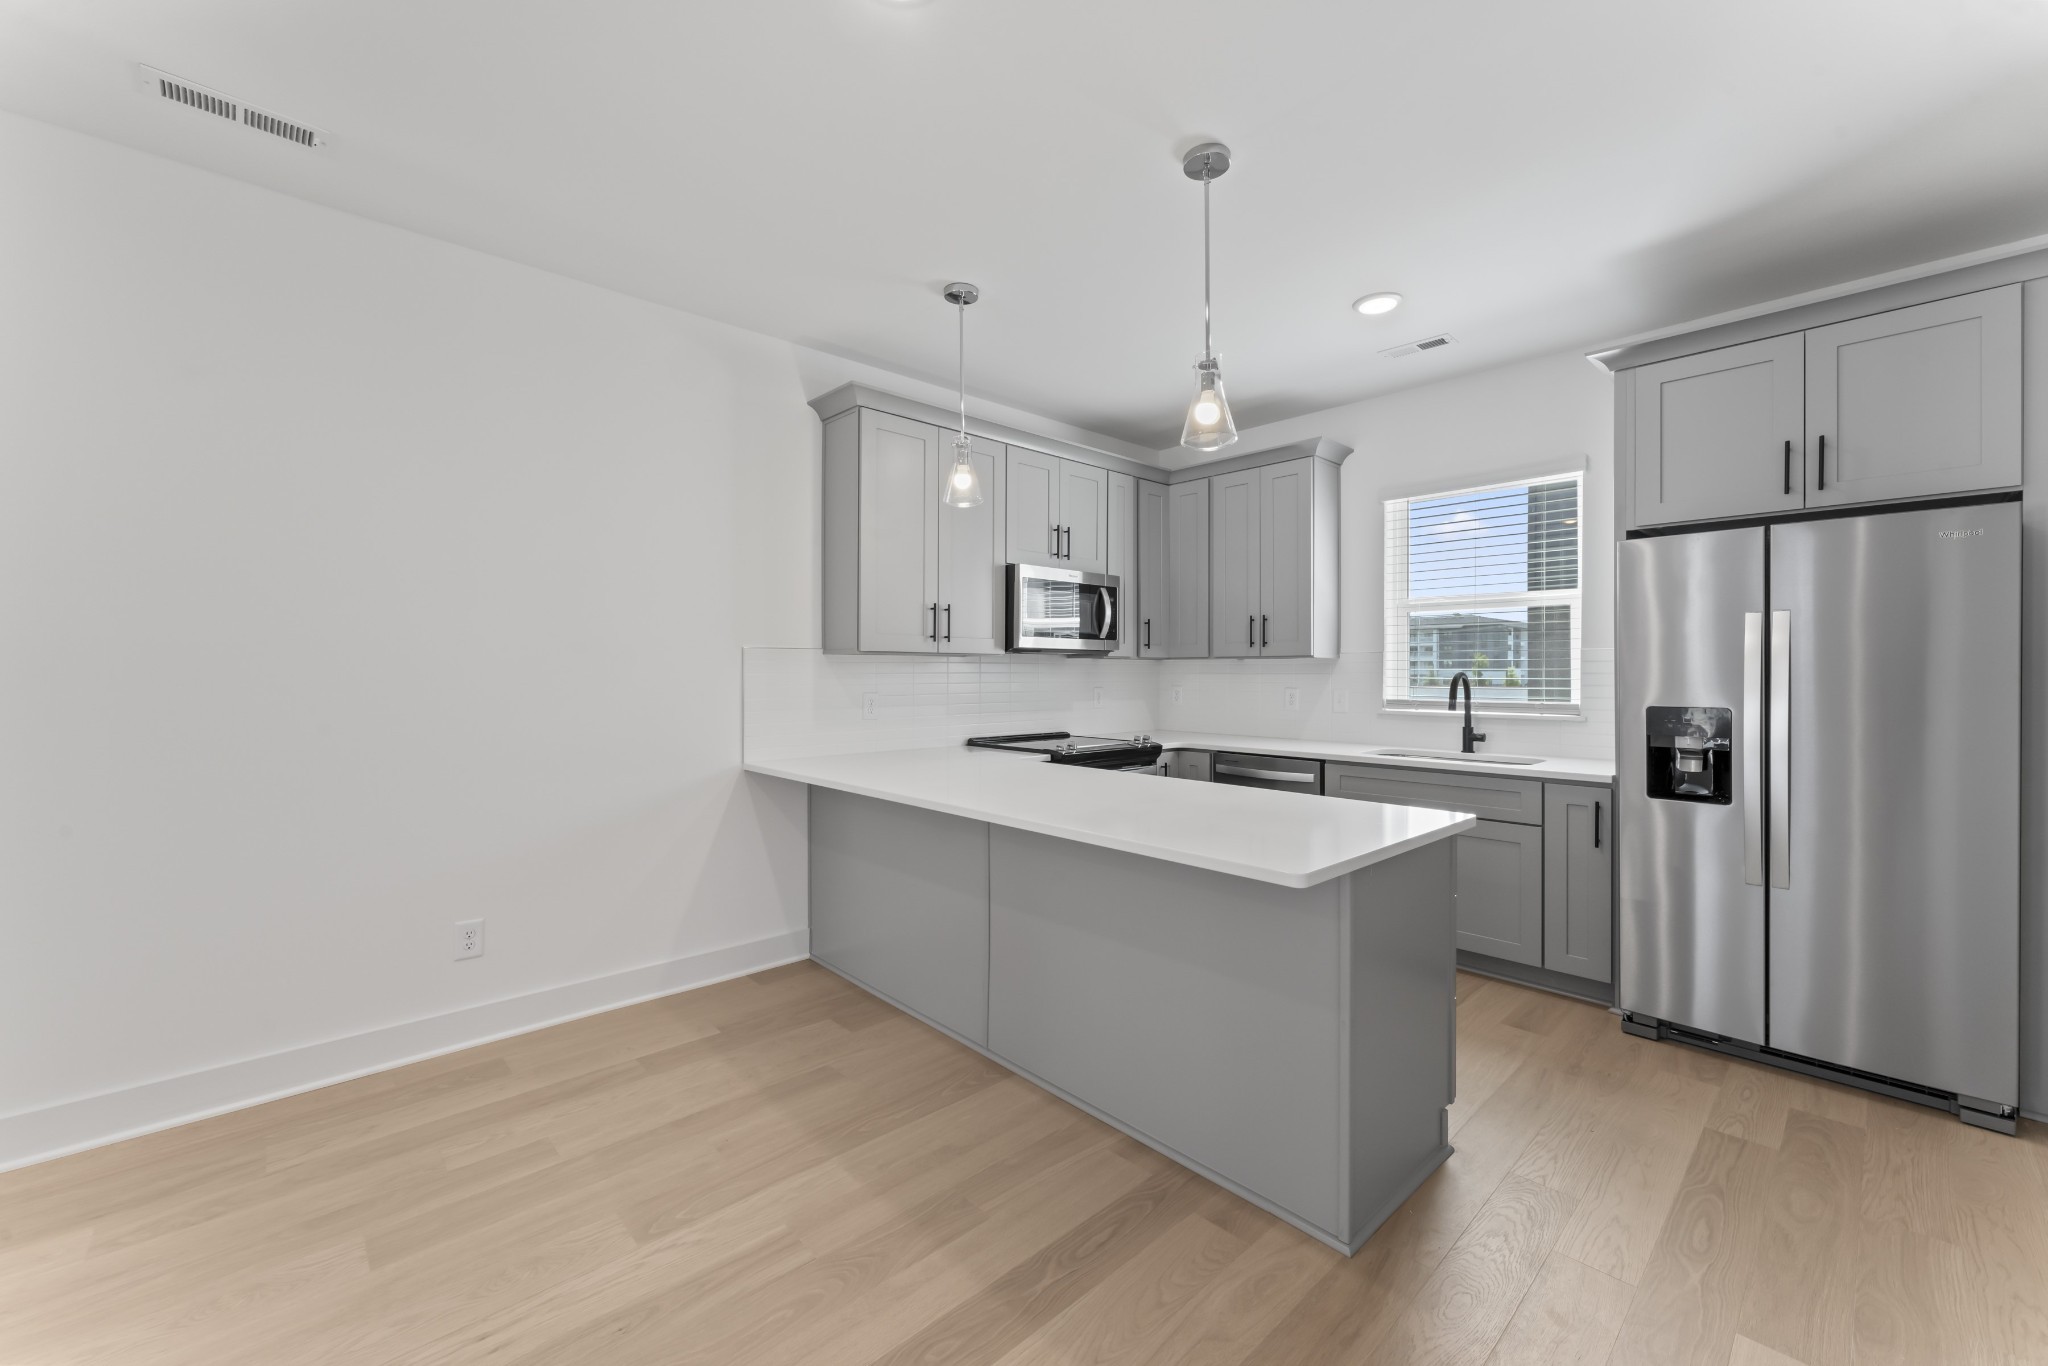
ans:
(1485, 581)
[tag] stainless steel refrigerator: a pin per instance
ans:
(1818, 789)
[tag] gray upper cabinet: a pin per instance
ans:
(1578, 880)
(1187, 570)
(1298, 559)
(1721, 434)
(1032, 508)
(1057, 512)
(1916, 402)
(899, 562)
(1123, 560)
(1497, 876)
(904, 573)
(1084, 512)
(1148, 605)
(1234, 525)
(970, 592)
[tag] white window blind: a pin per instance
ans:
(1485, 582)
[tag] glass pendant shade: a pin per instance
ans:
(963, 485)
(1209, 427)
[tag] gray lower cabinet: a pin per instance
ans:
(1497, 882)
(899, 903)
(1534, 882)
(1915, 402)
(1578, 880)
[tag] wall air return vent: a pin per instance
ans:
(191, 94)
(1436, 343)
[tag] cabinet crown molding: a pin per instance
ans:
(850, 396)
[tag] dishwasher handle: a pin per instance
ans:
(1271, 774)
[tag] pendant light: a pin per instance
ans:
(1208, 427)
(963, 485)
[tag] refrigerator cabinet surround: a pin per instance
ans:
(1872, 668)
(1691, 922)
(1894, 939)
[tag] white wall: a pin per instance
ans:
(1552, 411)
(353, 584)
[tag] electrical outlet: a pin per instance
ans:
(867, 706)
(469, 939)
(1340, 699)
(1175, 698)
(1291, 698)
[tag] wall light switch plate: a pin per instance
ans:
(867, 706)
(1340, 699)
(1175, 695)
(1291, 698)
(469, 939)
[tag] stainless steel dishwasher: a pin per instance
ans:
(1265, 770)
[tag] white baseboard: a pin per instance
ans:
(90, 1122)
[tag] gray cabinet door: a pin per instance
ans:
(1031, 507)
(899, 903)
(1123, 560)
(1234, 565)
(1187, 569)
(1578, 880)
(970, 591)
(1084, 512)
(899, 559)
(1915, 402)
(1149, 604)
(1497, 873)
(1721, 434)
(1286, 571)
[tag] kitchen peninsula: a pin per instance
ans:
(1258, 986)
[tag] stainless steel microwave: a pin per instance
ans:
(1067, 611)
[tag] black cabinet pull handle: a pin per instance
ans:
(935, 621)
(1788, 465)
(1596, 825)
(1822, 483)
(1148, 633)
(949, 621)
(1251, 632)
(1264, 640)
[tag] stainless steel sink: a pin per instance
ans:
(1441, 755)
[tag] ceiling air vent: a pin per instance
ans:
(1436, 343)
(193, 95)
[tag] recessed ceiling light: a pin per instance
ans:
(1372, 305)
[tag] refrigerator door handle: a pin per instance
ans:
(1781, 750)
(1753, 748)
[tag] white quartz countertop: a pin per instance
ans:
(1556, 770)
(1283, 838)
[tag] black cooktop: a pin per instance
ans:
(1096, 751)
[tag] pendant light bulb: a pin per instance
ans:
(1209, 426)
(962, 488)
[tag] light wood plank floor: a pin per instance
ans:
(782, 1170)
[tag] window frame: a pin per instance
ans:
(1398, 606)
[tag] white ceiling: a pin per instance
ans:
(1533, 176)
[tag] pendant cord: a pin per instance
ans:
(1208, 347)
(963, 369)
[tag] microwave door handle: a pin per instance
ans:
(1107, 610)
(1753, 748)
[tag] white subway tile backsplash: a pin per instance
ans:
(806, 701)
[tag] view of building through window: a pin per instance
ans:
(1485, 582)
